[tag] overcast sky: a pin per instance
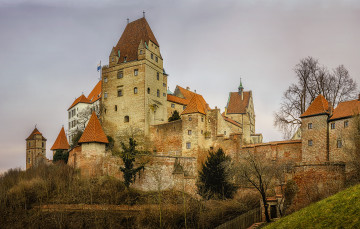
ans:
(49, 51)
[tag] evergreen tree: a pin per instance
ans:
(61, 155)
(214, 177)
(175, 116)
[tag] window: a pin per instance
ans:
(135, 90)
(202, 131)
(309, 125)
(120, 74)
(69, 114)
(136, 72)
(120, 92)
(105, 95)
(189, 132)
(141, 52)
(202, 119)
(42, 144)
(69, 128)
(333, 125)
(224, 132)
(164, 94)
(105, 111)
(152, 56)
(346, 124)
(158, 93)
(339, 143)
(164, 84)
(105, 79)
(188, 145)
(126, 119)
(29, 144)
(115, 107)
(125, 59)
(148, 90)
(157, 76)
(310, 143)
(156, 59)
(173, 105)
(190, 118)
(29, 160)
(112, 59)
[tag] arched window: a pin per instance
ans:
(135, 90)
(158, 93)
(126, 118)
(148, 90)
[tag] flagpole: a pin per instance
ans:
(100, 69)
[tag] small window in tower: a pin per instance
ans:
(224, 132)
(148, 90)
(105, 79)
(105, 95)
(202, 131)
(141, 52)
(157, 76)
(310, 142)
(188, 145)
(120, 92)
(135, 90)
(333, 125)
(156, 59)
(29, 160)
(125, 59)
(189, 132)
(172, 105)
(164, 94)
(112, 59)
(339, 143)
(158, 93)
(115, 107)
(190, 118)
(346, 124)
(202, 119)
(136, 72)
(126, 119)
(120, 74)
(42, 144)
(309, 125)
(164, 84)
(152, 56)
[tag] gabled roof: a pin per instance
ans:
(346, 109)
(81, 99)
(61, 141)
(186, 93)
(319, 106)
(134, 33)
(175, 99)
(93, 131)
(95, 94)
(196, 105)
(230, 120)
(33, 133)
(237, 104)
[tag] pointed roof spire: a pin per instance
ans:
(143, 13)
(61, 141)
(93, 131)
(241, 88)
(319, 106)
(35, 132)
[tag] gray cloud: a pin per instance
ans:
(49, 52)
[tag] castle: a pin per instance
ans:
(132, 100)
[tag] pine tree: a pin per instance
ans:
(175, 116)
(214, 177)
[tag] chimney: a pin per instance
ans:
(330, 108)
(195, 91)
(187, 88)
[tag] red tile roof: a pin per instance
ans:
(95, 94)
(186, 93)
(33, 133)
(238, 105)
(196, 105)
(134, 33)
(230, 120)
(61, 141)
(346, 109)
(93, 131)
(319, 106)
(81, 99)
(175, 99)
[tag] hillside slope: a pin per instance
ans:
(341, 210)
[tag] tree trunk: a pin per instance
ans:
(266, 207)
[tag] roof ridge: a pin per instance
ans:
(318, 106)
(61, 141)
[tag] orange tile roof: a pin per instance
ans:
(93, 131)
(230, 120)
(319, 106)
(134, 33)
(33, 133)
(95, 94)
(61, 141)
(196, 105)
(346, 109)
(186, 93)
(81, 99)
(175, 99)
(236, 104)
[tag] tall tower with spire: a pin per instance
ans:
(134, 83)
(35, 148)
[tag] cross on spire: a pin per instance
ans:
(143, 14)
(127, 19)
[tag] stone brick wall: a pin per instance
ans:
(35, 151)
(177, 106)
(167, 138)
(343, 134)
(318, 135)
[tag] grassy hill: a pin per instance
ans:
(341, 210)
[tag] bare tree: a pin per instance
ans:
(259, 173)
(312, 79)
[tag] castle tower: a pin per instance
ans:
(35, 148)
(61, 142)
(134, 84)
(315, 132)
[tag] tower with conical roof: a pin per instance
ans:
(61, 142)
(134, 83)
(35, 148)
